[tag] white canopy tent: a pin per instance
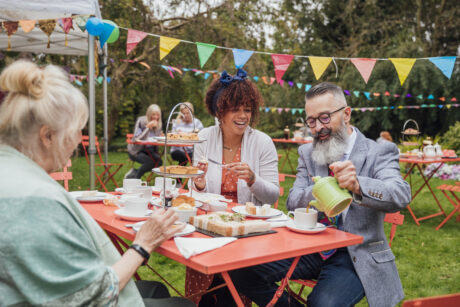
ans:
(36, 41)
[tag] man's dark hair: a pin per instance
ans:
(325, 88)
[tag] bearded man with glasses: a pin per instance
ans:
(370, 171)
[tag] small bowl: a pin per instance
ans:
(184, 215)
(217, 206)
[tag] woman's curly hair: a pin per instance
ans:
(238, 93)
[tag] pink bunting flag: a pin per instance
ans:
(364, 66)
(272, 80)
(134, 38)
(281, 82)
(280, 110)
(281, 63)
(66, 24)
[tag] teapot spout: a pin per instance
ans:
(316, 204)
(316, 179)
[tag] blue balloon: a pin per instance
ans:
(94, 26)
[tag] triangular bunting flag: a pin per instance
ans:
(356, 93)
(273, 110)
(267, 110)
(319, 65)
(241, 56)
(396, 95)
(403, 67)
(299, 85)
(287, 109)
(420, 96)
(272, 80)
(66, 24)
(307, 87)
(442, 98)
(291, 84)
(347, 92)
(280, 110)
(453, 99)
(281, 63)
(204, 52)
(81, 22)
(445, 64)
(264, 78)
(47, 26)
(376, 94)
(255, 78)
(166, 45)
(27, 25)
(134, 38)
(430, 96)
(206, 76)
(368, 95)
(293, 110)
(387, 93)
(365, 67)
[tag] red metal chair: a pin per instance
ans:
(65, 175)
(110, 169)
(394, 219)
(449, 300)
(454, 200)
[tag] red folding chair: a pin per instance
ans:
(394, 219)
(65, 175)
(454, 200)
(110, 169)
(450, 300)
(282, 178)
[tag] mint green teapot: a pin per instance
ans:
(330, 197)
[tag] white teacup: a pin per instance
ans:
(302, 219)
(169, 182)
(135, 205)
(144, 191)
(184, 215)
(131, 183)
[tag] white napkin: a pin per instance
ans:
(194, 246)
(278, 221)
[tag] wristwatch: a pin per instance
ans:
(141, 252)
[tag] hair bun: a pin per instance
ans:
(23, 77)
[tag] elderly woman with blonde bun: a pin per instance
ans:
(52, 252)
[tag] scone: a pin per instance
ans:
(251, 208)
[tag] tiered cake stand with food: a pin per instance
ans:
(177, 138)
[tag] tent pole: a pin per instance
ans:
(92, 112)
(104, 89)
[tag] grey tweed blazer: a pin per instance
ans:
(383, 190)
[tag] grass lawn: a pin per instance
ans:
(427, 259)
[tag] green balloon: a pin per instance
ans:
(115, 33)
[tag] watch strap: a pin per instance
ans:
(141, 252)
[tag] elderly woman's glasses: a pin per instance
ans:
(324, 118)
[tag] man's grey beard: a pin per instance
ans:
(331, 150)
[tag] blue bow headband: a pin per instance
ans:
(226, 80)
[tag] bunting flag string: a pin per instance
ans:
(319, 64)
(270, 80)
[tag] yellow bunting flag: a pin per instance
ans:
(27, 25)
(403, 67)
(166, 45)
(319, 65)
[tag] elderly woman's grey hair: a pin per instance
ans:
(37, 97)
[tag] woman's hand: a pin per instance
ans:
(200, 181)
(242, 171)
(157, 229)
(152, 124)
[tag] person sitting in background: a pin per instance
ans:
(185, 122)
(146, 127)
(384, 136)
(248, 156)
(52, 252)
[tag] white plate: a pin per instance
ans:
(161, 139)
(132, 217)
(120, 190)
(209, 197)
(156, 190)
(242, 210)
(158, 202)
(95, 198)
(292, 226)
(187, 230)
(158, 172)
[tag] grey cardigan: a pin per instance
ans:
(257, 150)
(141, 132)
(383, 190)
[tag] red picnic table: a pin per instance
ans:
(417, 163)
(285, 143)
(241, 253)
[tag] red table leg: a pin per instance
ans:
(284, 282)
(232, 289)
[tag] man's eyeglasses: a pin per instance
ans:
(324, 118)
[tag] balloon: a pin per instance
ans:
(115, 33)
(94, 26)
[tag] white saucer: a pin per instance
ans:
(242, 210)
(93, 198)
(292, 226)
(186, 231)
(120, 190)
(131, 217)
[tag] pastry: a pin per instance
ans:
(251, 208)
(180, 170)
(228, 224)
(183, 199)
